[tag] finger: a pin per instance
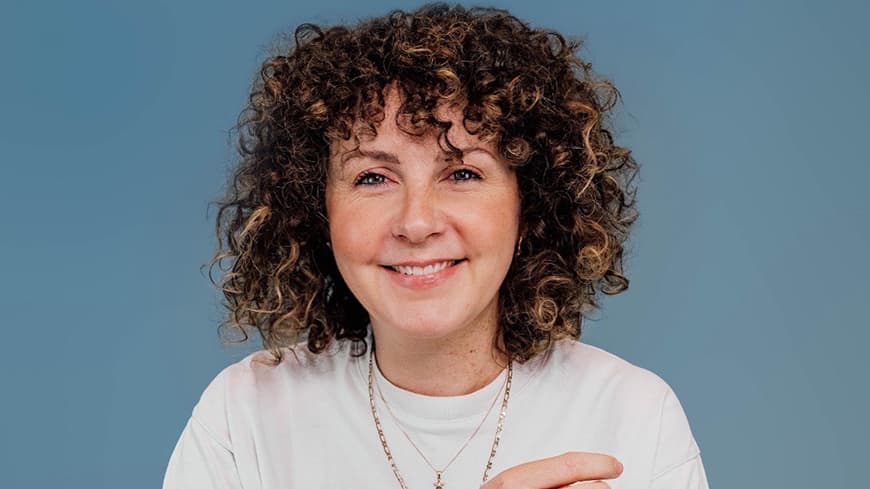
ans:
(561, 470)
(587, 485)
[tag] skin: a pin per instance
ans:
(401, 199)
(436, 341)
(589, 469)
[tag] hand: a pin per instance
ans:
(559, 472)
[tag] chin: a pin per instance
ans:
(425, 326)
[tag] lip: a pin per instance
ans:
(423, 263)
(418, 282)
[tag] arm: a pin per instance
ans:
(203, 456)
(688, 475)
(678, 462)
(201, 460)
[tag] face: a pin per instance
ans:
(422, 240)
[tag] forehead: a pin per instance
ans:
(388, 132)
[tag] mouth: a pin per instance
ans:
(414, 271)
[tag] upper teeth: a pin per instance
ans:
(424, 270)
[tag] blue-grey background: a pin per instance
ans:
(748, 265)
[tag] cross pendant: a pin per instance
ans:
(438, 483)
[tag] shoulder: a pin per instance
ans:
(595, 368)
(258, 370)
(251, 385)
(631, 392)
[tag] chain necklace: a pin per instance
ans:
(438, 483)
(438, 472)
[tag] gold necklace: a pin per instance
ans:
(438, 472)
(438, 483)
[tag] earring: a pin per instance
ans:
(519, 244)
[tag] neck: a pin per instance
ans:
(448, 366)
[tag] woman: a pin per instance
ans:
(427, 205)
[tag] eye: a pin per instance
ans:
(370, 179)
(464, 174)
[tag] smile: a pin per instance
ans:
(429, 269)
(423, 277)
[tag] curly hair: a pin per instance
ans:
(523, 88)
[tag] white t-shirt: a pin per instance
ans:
(307, 424)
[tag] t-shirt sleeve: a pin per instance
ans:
(203, 456)
(689, 474)
(678, 462)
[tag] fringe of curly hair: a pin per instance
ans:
(524, 88)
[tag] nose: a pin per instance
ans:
(419, 215)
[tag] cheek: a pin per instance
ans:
(354, 230)
(500, 220)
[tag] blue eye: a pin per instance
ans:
(370, 179)
(467, 174)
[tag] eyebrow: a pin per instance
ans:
(388, 157)
(373, 154)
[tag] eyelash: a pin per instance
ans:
(359, 181)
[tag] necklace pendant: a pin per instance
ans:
(438, 484)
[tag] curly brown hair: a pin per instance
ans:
(525, 89)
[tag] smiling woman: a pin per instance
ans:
(423, 240)
(426, 207)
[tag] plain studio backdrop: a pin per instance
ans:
(748, 265)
